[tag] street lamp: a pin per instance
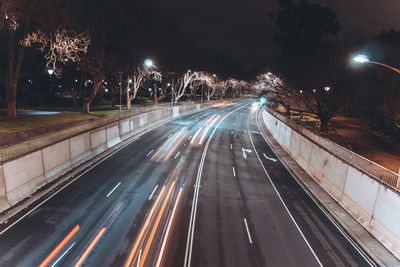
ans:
(327, 88)
(148, 63)
(51, 71)
(362, 59)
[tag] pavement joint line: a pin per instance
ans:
(283, 203)
(356, 247)
(248, 231)
(152, 193)
(112, 190)
(148, 154)
(177, 154)
(192, 221)
(62, 255)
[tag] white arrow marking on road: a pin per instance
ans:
(244, 152)
(268, 158)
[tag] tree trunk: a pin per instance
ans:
(86, 106)
(128, 101)
(155, 96)
(87, 101)
(12, 99)
(208, 97)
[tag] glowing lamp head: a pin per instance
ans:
(148, 63)
(361, 59)
(50, 71)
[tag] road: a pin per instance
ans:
(203, 190)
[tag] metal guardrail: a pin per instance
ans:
(377, 171)
(9, 152)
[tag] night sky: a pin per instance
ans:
(241, 29)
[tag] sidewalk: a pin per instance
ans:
(367, 143)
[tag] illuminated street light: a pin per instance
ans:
(106, 90)
(301, 91)
(215, 75)
(314, 91)
(168, 84)
(362, 59)
(148, 63)
(327, 88)
(130, 80)
(150, 89)
(50, 71)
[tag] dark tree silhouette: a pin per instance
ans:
(302, 26)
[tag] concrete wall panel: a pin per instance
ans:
(387, 210)
(98, 141)
(79, 147)
(23, 176)
(56, 158)
(112, 133)
(4, 204)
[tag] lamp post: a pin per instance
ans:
(149, 64)
(50, 72)
(363, 59)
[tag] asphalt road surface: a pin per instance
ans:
(203, 190)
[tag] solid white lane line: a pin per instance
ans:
(73, 180)
(356, 247)
(148, 154)
(169, 136)
(193, 213)
(190, 137)
(231, 146)
(248, 232)
(152, 193)
(62, 255)
(231, 132)
(284, 205)
(234, 172)
(177, 154)
(139, 256)
(115, 187)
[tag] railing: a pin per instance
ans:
(24, 147)
(379, 172)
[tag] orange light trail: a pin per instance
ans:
(161, 254)
(143, 230)
(155, 227)
(90, 247)
(207, 129)
(59, 247)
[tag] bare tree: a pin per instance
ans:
(59, 47)
(277, 90)
(18, 18)
(136, 79)
(183, 82)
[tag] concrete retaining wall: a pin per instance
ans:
(374, 205)
(23, 176)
